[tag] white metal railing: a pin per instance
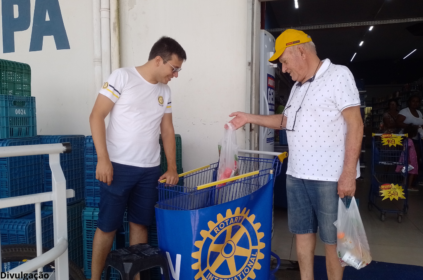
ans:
(58, 195)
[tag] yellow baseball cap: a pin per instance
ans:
(288, 38)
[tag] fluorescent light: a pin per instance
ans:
(409, 54)
(353, 57)
(361, 43)
(296, 4)
(371, 28)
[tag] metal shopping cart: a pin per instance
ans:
(219, 229)
(389, 175)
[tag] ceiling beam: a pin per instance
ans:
(348, 24)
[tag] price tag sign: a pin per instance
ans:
(391, 140)
(391, 191)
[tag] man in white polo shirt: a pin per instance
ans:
(139, 102)
(324, 130)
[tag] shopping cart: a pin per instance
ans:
(386, 157)
(220, 229)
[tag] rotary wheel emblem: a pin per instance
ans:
(230, 249)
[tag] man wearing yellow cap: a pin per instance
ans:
(324, 130)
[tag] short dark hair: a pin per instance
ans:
(392, 100)
(165, 47)
(412, 97)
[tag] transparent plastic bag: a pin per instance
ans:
(352, 246)
(228, 154)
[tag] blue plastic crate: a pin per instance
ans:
(74, 232)
(89, 223)
(92, 188)
(20, 176)
(22, 230)
(17, 117)
(89, 146)
(72, 165)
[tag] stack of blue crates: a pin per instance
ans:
(20, 176)
(73, 168)
(31, 174)
(72, 165)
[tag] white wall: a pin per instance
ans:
(62, 80)
(211, 86)
(213, 81)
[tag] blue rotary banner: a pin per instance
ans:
(230, 241)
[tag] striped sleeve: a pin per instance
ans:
(168, 106)
(114, 85)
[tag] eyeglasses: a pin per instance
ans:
(299, 108)
(295, 118)
(175, 69)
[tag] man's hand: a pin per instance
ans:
(347, 183)
(240, 119)
(104, 172)
(171, 177)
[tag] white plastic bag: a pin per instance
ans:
(228, 154)
(352, 247)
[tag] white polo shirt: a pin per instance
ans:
(132, 135)
(317, 144)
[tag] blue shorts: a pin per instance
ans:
(312, 205)
(133, 188)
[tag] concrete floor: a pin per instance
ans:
(389, 241)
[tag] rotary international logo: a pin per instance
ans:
(230, 249)
(161, 100)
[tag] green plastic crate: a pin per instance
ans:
(163, 160)
(15, 78)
